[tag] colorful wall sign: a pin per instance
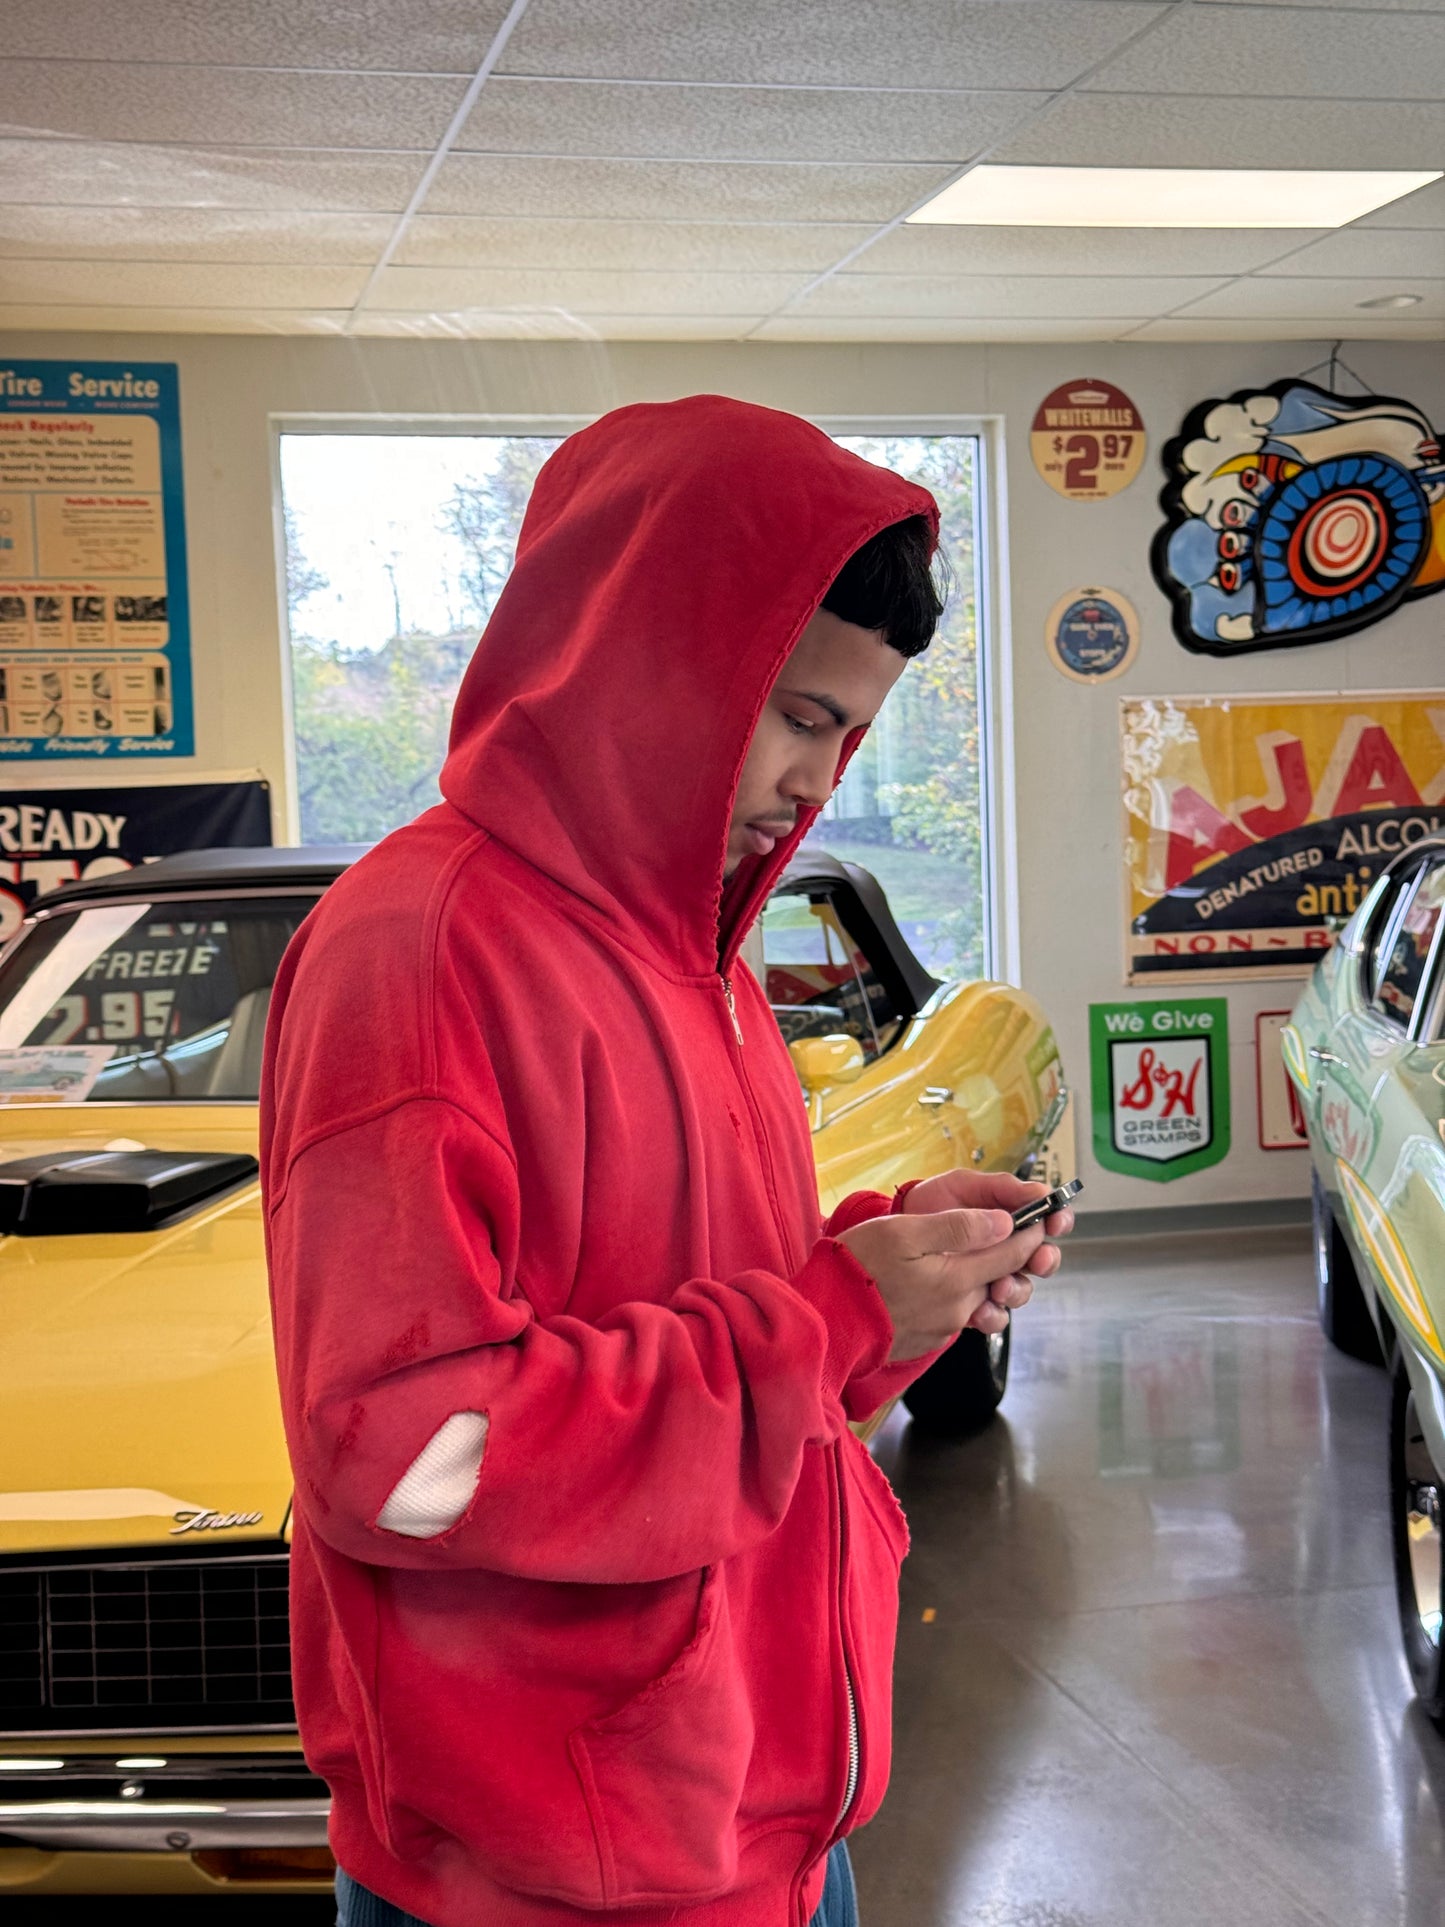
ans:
(95, 655)
(1160, 1085)
(1253, 829)
(1281, 1115)
(1092, 635)
(1294, 515)
(1088, 440)
(51, 837)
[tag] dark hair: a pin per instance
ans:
(892, 584)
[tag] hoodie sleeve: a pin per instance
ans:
(434, 1420)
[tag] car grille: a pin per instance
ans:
(170, 1644)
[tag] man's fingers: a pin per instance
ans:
(989, 1318)
(1045, 1261)
(1011, 1292)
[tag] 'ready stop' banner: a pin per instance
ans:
(1252, 829)
(50, 837)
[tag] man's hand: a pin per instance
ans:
(938, 1271)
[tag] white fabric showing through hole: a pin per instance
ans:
(438, 1485)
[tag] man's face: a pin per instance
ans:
(833, 682)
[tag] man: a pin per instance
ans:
(593, 1589)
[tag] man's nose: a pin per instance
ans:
(810, 781)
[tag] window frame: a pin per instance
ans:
(997, 790)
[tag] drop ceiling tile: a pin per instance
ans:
(1072, 250)
(454, 241)
(1134, 130)
(193, 234)
(193, 321)
(1425, 208)
(1314, 298)
(852, 43)
(239, 107)
(1266, 51)
(450, 290)
(94, 174)
(1347, 6)
(737, 123)
(547, 324)
(124, 284)
(485, 184)
(1041, 297)
(412, 36)
(1361, 328)
(1400, 253)
(913, 328)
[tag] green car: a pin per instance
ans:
(1365, 1049)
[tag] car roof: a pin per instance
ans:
(190, 870)
(318, 865)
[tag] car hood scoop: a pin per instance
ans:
(71, 1193)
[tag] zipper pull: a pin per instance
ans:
(727, 984)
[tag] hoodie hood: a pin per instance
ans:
(669, 559)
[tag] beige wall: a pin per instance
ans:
(1061, 807)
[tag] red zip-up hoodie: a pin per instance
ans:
(594, 1592)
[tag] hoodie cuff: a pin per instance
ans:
(856, 1209)
(860, 1332)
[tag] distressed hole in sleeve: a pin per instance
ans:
(439, 1484)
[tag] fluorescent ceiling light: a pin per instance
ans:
(1237, 197)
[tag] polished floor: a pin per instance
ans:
(1148, 1669)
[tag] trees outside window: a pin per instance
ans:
(397, 547)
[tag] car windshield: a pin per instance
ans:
(143, 1002)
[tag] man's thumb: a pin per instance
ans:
(966, 1230)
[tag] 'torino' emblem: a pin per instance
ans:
(194, 1518)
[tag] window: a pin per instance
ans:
(396, 549)
(1406, 945)
(169, 998)
(818, 980)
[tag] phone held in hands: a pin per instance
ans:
(1045, 1207)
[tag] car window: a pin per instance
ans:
(1406, 945)
(144, 1002)
(817, 978)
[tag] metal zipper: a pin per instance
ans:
(853, 1748)
(727, 984)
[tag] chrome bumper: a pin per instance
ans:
(164, 1826)
(177, 1804)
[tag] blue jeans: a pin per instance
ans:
(357, 1906)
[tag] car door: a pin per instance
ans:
(1383, 1105)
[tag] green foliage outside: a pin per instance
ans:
(371, 724)
(922, 837)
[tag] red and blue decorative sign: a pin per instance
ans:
(1296, 515)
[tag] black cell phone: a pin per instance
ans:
(1045, 1207)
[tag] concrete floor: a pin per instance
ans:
(1160, 1682)
(1149, 1672)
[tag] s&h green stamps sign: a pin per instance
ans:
(1160, 1076)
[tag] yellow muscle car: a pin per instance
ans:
(147, 1734)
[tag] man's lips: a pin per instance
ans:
(762, 835)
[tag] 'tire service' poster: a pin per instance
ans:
(94, 625)
(1252, 829)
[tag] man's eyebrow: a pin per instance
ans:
(834, 708)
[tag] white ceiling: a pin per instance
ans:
(684, 169)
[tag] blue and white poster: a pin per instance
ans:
(95, 637)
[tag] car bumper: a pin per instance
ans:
(69, 1822)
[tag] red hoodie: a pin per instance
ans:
(588, 1570)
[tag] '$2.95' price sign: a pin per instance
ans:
(1160, 1078)
(1088, 440)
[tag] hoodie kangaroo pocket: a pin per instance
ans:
(663, 1775)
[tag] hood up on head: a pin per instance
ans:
(670, 557)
